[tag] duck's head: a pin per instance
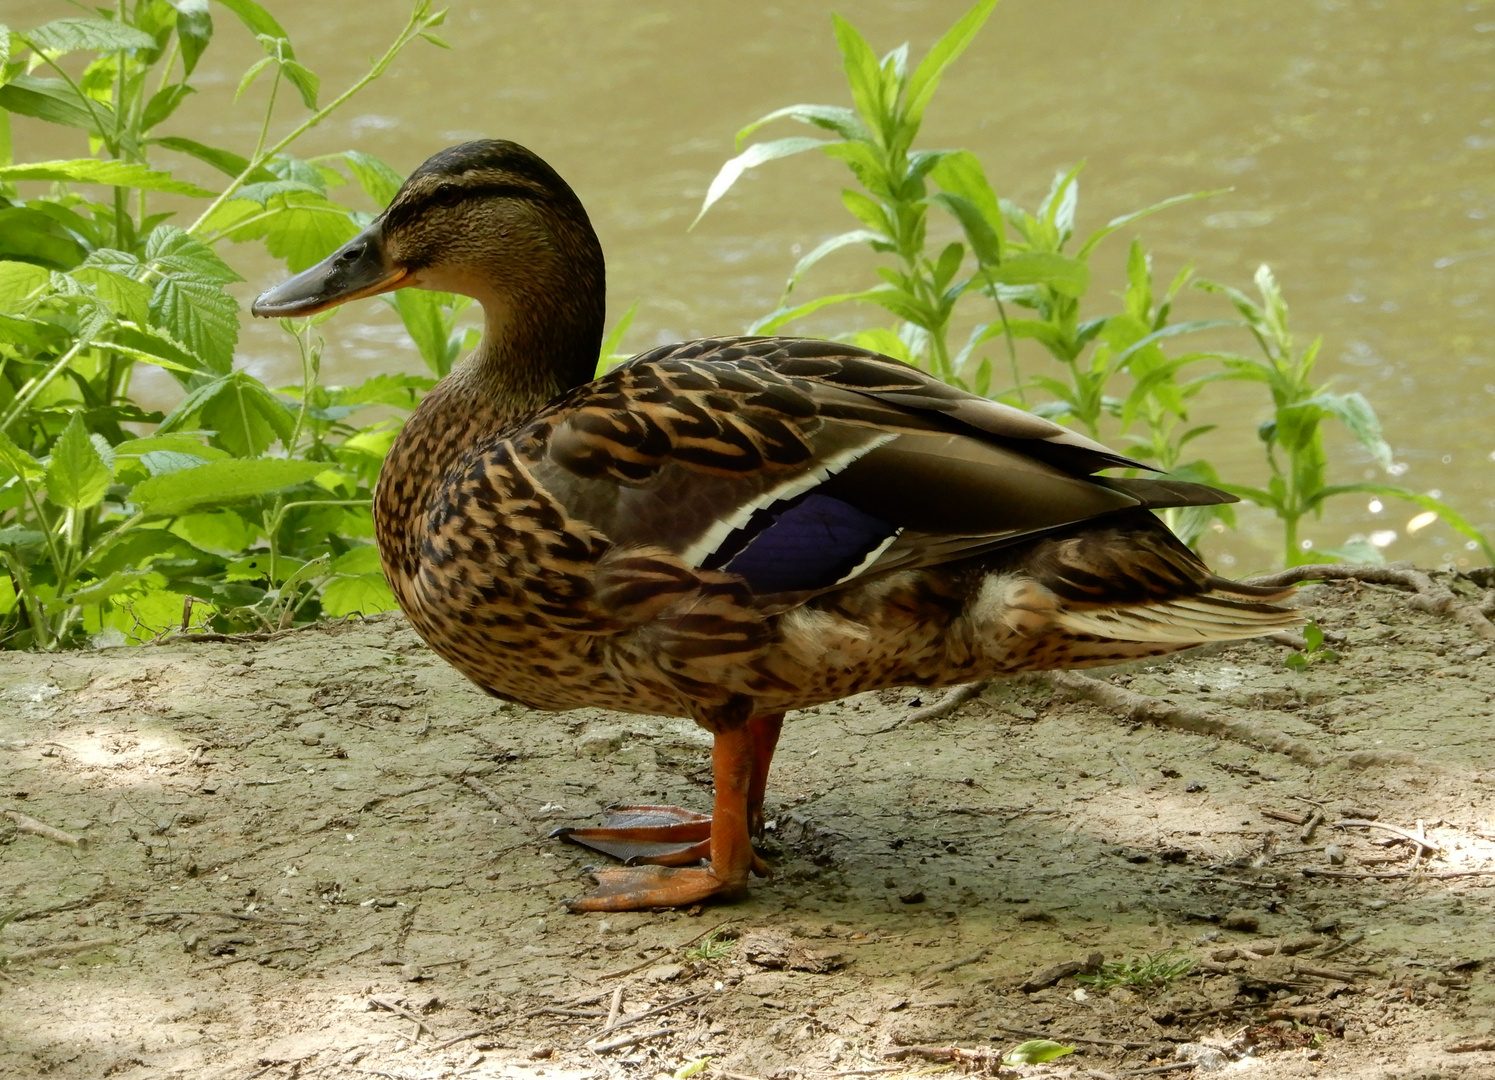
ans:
(489, 220)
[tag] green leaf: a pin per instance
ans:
(863, 75)
(614, 338)
(1036, 1052)
(424, 314)
(1066, 276)
(926, 77)
(33, 236)
(251, 73)
(753, 156)
(825, 247)
(128, 298)
(837, 118)
(93, 35)
(771, 322)
(94, 171)
(1356, 413)
(377, 178)
(77, 476)
(868, 211)
(244, 413)
(225, 161)
(194, 29)
(16, 462)
(259, 21)
(1136, 215)
(163, 462)
(307, 230)
(189, 302)
(363, 594)
(220, 483)
(19, 282)
(304, 80)
(14, 536)
(163, 103)
(54, 101)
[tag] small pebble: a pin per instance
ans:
(1335, 854)
(1239, 919)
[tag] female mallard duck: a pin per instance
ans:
(732, 528)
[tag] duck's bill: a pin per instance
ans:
(357, 269)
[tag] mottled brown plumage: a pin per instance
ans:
(730, 529)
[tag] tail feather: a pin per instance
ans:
(1222, 614)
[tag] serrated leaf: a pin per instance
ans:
(14, 536)
(377, 178)
(176, 251)
(129, 299)
(77, 476)
(753, 156)
(303, 228)
(363, 594)
(94, 171)
(19, 282)
(16, 462)
(93, 35)
(220, 483)
(200, 315)
(245, 414)
(164, 462)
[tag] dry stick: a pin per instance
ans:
(1306, 833)
(1469, 1046)
(947, 704)
(632, 1040)
(400, 1010)
(43, 951)
(1031, 1034)
(1161, 1069)
(36, 828)
(689, 999)
(1431, 596)
(974, 958)
(1422, 842)
(613, 1009)
(1442, 875)
(242, 916)
(1144, 709)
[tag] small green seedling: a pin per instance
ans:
(1147, 972)
(1313, 652)
(713, 946)
(1036, 1052)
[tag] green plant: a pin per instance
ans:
(1294, 436)
(1149, 972)
(1022, 263)
(713, 946)
(1313, 651)
(1035, 1052)
(103, 529)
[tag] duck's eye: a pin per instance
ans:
(447, 195)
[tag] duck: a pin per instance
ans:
(729, 529)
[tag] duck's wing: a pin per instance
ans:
(801, 466)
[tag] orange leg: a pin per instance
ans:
(735, 763)
(669, 835)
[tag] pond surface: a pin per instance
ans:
(1358, 139)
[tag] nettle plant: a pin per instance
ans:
(243, 507)
(1028, 274)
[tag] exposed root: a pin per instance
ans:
(1140, 707)
(1431, 596)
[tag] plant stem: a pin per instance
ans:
(413, 26)
(38, 384)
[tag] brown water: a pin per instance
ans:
(1359, 139)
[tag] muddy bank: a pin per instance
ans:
(323, 854)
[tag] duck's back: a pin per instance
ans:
(764, 523)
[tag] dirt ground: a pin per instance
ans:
(324, 855)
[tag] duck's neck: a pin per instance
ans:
(541, 331)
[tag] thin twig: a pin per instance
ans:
(613, 1009)
(1144, 709)
(400, 1010)
(974, 958)
(1422, 842)
(632, 1040)
(947, 704)
(66, 949)
(36, 828)
(1031, 1034)
(1431, 596)
(689, 999)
